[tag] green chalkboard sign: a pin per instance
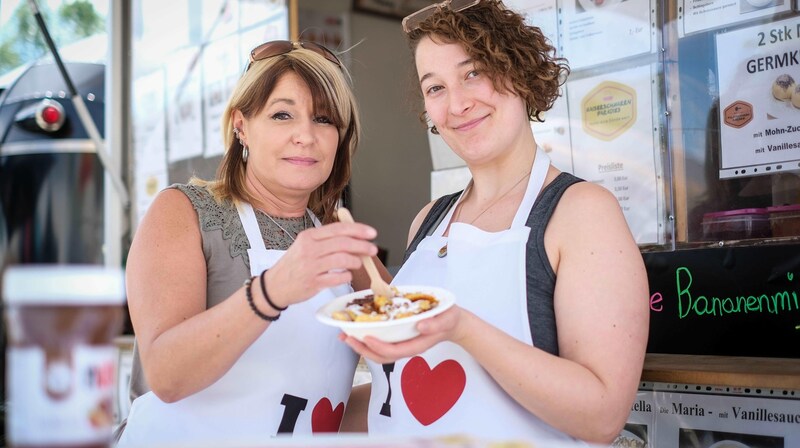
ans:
(739, 301)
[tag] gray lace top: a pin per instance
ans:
(225, 247)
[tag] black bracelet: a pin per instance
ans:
(248, 284)
(266, 296)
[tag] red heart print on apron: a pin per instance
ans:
(324, 418)
(430, 393)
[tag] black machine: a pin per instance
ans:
(51, 180)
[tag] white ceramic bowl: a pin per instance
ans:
(388, 330)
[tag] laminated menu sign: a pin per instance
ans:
(701, 15)
(539, 13)
(613, 143)
(149, 138)
(638, 430)
(221, 71)
(184, 105)
(725, 421)
(601, 31)
(553, 134)
(759, 84)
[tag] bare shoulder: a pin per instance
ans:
(166, 255)
(585, 205)
(583, 195)
(170, 211)
(170, 221)
(171, 202)
(587, 222)
(415, 225)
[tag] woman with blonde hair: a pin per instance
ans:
(224, 276)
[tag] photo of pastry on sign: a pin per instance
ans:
(746, 6)
(784, 88)
(781, 101)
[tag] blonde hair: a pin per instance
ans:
(333, 98)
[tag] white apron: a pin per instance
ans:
(295, 378)
(444, 390)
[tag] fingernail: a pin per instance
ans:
(372, 233)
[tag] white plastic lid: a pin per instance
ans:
(43, 284)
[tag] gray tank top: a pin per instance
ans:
(541, 280)
(225, 247)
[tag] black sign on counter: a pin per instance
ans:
(737, 301)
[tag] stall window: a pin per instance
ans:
(687, 111)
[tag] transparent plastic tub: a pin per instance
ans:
(738, 224)
(784, 220)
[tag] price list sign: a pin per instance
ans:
(759, 80)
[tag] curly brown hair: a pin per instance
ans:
(514, 55)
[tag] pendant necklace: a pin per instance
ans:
(443, 251)
(286, 231)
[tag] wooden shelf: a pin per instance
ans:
(765, 373)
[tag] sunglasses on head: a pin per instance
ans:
(278, 47)
(412, 21)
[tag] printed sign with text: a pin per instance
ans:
(759, 80)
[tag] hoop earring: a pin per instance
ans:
(434, 130)
(245, 151)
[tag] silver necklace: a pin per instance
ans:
(286, 231)
(443, 251)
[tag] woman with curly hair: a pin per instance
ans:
(549, 333)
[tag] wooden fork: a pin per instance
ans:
(377, 284)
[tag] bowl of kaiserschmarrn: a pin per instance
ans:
(390, 319)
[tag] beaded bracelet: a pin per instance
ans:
(248, 284)
(266, 296)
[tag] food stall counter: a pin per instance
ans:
(735, 371)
